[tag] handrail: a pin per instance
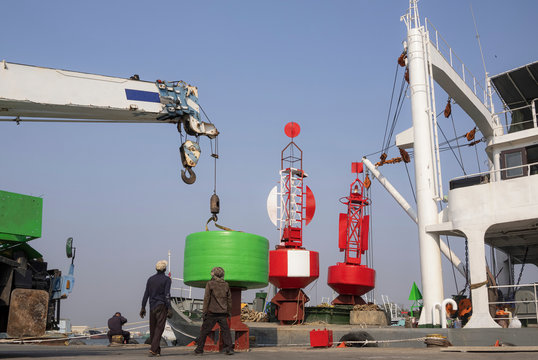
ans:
(489, 172)
(470, 80)
(535, 300)
(181, 288)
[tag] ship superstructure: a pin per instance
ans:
(498, 207)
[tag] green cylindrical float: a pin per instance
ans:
(243, 256)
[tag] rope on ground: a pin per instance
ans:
(26, 340)
(33, 340)
(365, 342)
(252, 315)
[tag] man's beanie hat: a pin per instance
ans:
(218, 272)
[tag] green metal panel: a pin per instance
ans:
(243, 256)
(20, 216)
(330, 315)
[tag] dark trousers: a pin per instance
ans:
(157, 322)
(126, 335)
(209, 321)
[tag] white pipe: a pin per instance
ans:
(443, 309)
(436, 307)
(411, 212)
(388, 186)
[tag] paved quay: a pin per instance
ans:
(128, 352)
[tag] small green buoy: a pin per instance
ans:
(415, 296)
(243, 256)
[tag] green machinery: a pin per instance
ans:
(30, 293)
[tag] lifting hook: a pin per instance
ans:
(188, 179)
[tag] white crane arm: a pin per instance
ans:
(32, 93)
(37, 92)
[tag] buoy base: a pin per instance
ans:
(241, 330)
(290, 306)
(348, 300)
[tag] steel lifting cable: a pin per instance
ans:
(410, 182)
(523, 265)
(477, 159)
(457, 142)
(453, 266)
(399, 106)
(450, 146)
(214, 152)
(215, 202)
(390, 109)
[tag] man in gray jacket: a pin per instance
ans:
(217, 309)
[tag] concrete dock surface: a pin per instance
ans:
(128, 352)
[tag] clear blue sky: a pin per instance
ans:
(328, 65)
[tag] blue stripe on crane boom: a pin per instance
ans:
(140, 95)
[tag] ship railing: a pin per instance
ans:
(181, 288)
(525, 124)
(525, 309)
(491, 175)
(456, 63)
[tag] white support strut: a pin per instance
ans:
(447, 252)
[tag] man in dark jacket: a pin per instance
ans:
(158, 293)
(115, 324)
(217, 309)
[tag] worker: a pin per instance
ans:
(158, 293)
(115, 324)
(217, 308)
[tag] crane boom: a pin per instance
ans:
(33, 93)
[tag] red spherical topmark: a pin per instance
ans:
(292, 129)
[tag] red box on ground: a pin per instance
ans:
(321, 338)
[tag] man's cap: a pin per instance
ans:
(161, 265)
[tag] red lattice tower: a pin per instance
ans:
(351, 279)
(290, 206)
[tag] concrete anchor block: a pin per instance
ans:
(367, 318)
(27, 313)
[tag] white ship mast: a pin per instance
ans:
(426, 192)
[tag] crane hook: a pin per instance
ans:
(188, 179)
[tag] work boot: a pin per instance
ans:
(198, 353)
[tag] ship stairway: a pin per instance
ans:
(459, 83)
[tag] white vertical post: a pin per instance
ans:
(430, 256)
(169, 266)
(478, 282)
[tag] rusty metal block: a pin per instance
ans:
(27, 313)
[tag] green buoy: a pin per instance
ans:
(243, 256)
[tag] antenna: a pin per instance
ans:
(486, 80)
(478, 38)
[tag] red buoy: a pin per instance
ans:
(290, 207)
(351, 279)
